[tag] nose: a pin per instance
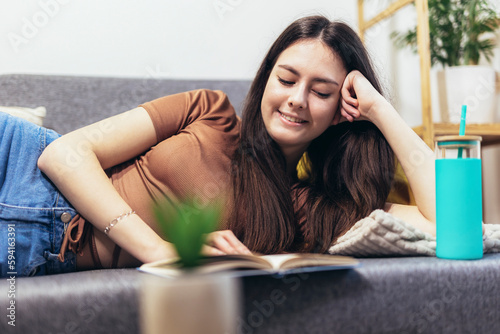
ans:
(298, 98)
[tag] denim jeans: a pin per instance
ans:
(33, 213)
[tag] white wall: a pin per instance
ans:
(218, 39)
(176, 39)
(172, 38)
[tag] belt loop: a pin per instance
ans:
(49, 256)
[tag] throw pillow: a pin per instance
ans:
(35, 115)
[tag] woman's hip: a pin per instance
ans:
(21, 181)
(30, 240)
(33, 213)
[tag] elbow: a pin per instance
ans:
(55, 159)
(46, 159)
(64, 156)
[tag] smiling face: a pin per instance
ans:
(302, 95)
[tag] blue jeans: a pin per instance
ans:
(33, 213)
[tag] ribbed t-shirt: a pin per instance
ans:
(197, 134)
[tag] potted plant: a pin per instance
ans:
(458, 39)
(191, 302)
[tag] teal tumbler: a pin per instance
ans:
(459, 204)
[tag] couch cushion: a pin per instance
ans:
(384, 295)
(73, 102)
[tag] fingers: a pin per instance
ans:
(226, 242)
(349, 101)
(349, 97)
(348, 91)
(349, 111)
(211, 251)
(348, 117)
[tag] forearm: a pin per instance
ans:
(416, 158)
(84, 183)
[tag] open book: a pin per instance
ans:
(254, 264)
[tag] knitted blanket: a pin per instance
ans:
(381, 234)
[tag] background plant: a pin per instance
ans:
(457, 29)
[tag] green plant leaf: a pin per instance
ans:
(457, 29)
(186, 226)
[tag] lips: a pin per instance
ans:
(292, 119)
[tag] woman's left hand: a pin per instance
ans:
(224, 242)
(358, 97)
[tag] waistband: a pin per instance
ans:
(78, 233)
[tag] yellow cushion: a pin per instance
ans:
(400, 192)
(303, 167)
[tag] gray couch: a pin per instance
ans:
(383, 295)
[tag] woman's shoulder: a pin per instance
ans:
(212, 100)
(172, 113)
(213, 95)
(194, 102)
(213, 107)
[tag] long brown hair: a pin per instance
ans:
(351, 164)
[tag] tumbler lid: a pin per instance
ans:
(458, 138)
(458, 141)
(443, 140)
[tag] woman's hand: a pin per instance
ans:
(224, 242)
(358, 98)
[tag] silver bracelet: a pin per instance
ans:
(117, 220)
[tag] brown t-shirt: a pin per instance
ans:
(197, 134)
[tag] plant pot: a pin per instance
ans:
(190, 304)
(473, 86)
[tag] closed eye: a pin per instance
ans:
(285, 82)
(291, 83)
(322, 95)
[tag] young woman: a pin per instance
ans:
(315, 97)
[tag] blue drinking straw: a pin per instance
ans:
(462, 127)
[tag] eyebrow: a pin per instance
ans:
(294, 71)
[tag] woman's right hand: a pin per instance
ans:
(359, 98)
(224, 242)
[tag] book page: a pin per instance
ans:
(271, 263)
(277, 260)
(236, 261)
(209, 264)
(299, 260)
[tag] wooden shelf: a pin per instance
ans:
(489, 131)
(429, 130)
(423, 46)
(389, 11)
